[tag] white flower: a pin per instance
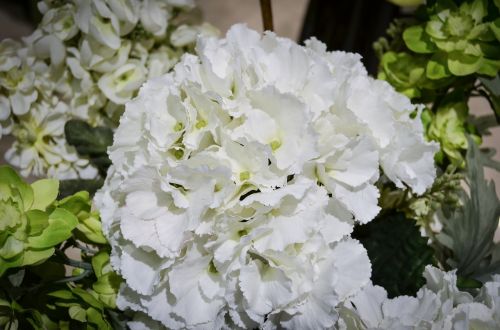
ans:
(155, 17)
(60, 22)
(120, 86)
(40, 147)
(5, 121)
(185, 35)
(437, 305)
(87, 58)
(8, 52)
(237, 179)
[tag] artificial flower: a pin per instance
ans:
(85, 59)
(237, 180)
(439, 304)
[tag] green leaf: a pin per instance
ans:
(89, 141)
(489, 67)
(17, 278)
(45, 192)
(437, 67)
(9, 177)
(470, 230)
(11, 248)
(61, 224)
(95, 317)
(99, 261)
(462, 65)
(478, 10)
(495, 28)
(78, 313)
(37, 222)
(468, 283)
(32, 257)
(493, 94)
(70, 187)
(397, 251)
(91, 229)
(417, 40)
(88, 298)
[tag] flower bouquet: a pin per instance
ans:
(258, 183)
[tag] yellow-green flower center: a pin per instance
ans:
(275, 144)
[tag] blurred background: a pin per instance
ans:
(343, 25)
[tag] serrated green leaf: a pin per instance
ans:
(45, 192)
(397, 251)
(417, 40)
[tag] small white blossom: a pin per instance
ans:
(87, 58)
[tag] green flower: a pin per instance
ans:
(29, 229)
(462, 39)
(409, 74)
(449, 127)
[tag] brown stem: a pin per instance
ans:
(267, 15)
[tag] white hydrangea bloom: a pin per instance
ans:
(237, 179)
(40, 147)
(437, 305)
(87, 58)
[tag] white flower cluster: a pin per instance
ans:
(437, 305)
(237, 179)
(84, 61)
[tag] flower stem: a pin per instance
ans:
(267, 15)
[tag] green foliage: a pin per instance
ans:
(88, 229)
(464, 36)
(91, 142)
(445, 191)
(448, 48)
(467, 236)
(448, 125)
(29, 230)
(491, 90)
(397, 252)
(70, 187)
(37, 231)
